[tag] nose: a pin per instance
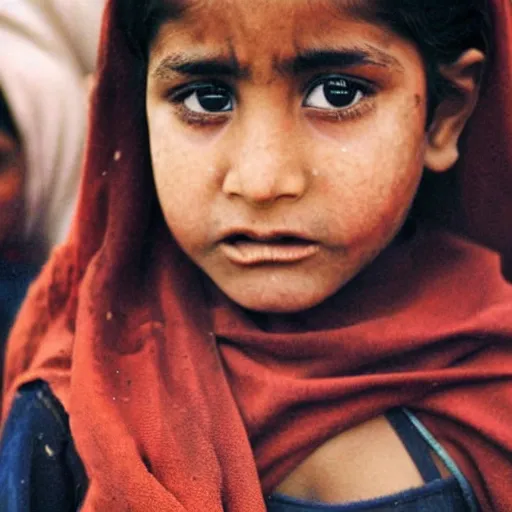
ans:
(265, 163)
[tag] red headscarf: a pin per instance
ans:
(179, 405)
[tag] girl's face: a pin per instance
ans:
(288, 142)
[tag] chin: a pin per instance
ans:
(281, 290)
(278, 302)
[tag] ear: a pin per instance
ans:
(454, 110)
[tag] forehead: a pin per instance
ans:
(246, 29)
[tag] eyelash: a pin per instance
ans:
(362, 107)
(179, 95)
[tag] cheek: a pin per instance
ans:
(370, 173)
(183, 182)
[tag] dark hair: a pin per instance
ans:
(142, 19)
(441, 30)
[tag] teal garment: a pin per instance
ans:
(453, 494)
(436, 496)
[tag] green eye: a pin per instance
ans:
(335, 93)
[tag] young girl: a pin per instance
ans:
(256, 309)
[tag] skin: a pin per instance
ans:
(282, 160)
(342, 178)
(12, 171)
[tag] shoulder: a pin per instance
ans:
(39, 467)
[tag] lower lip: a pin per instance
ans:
(259, 253)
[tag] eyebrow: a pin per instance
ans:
(306, 61)
(311, 60)
(198, 66)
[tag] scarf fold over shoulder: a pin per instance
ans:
(180, 405)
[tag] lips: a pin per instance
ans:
(249, 249)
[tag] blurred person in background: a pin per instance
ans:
(48, 49)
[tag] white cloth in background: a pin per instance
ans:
(47, 48)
